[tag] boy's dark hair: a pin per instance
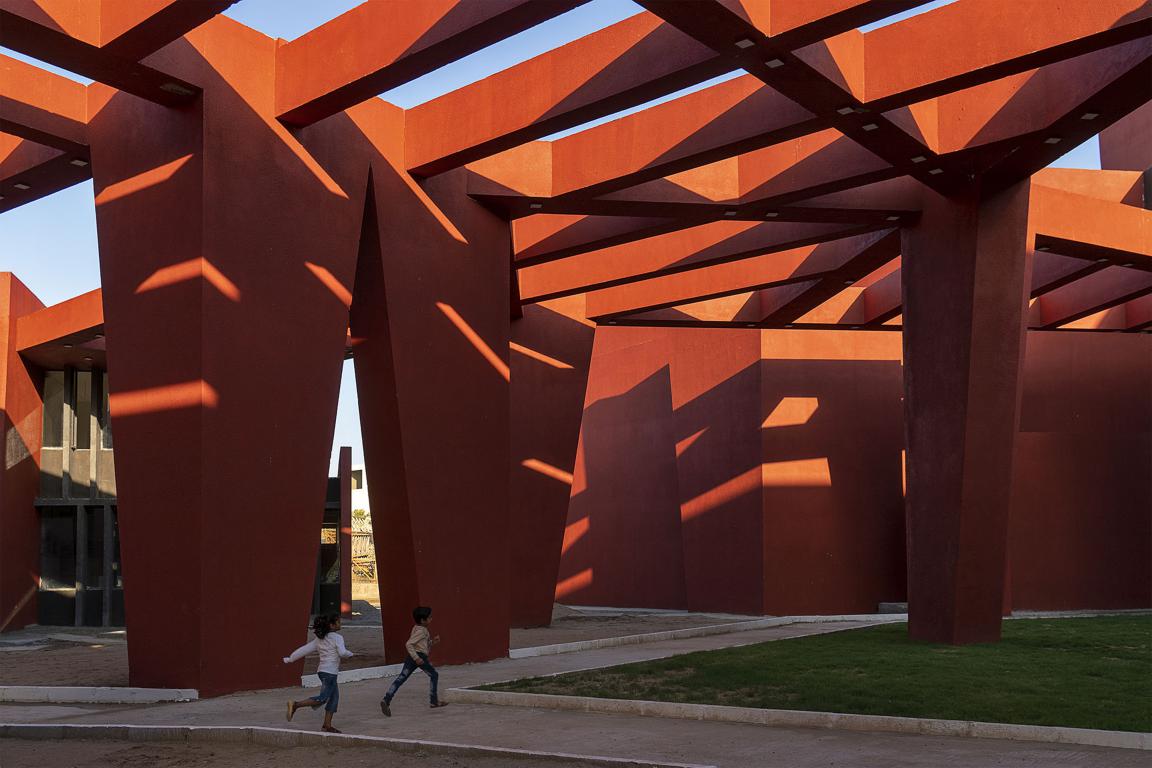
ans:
(322, 624)
(420, 613)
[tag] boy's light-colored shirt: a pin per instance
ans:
(418, 642)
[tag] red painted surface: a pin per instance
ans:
(783, 448)
(1081, 528)
(830, 538)
(223, 412)
(551, 351)
(966, 282)
(21, 419)
(236, 254)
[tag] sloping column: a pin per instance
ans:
(227, 257)
(430, 324)
(21, 419)
(550, 356)
(965, 271)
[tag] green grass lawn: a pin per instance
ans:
(1084, 672)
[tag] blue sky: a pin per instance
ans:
(51, 244)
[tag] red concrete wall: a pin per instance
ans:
(1081, 526)
(551, 349)
(21, 422)
(783, 451)
(622, 544)
(789, 478)
(832, 418)
(715, 385)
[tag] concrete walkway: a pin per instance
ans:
(722, 744)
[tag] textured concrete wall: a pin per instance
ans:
(787, 468)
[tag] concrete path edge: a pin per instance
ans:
(803, 719)
(285, 737)
(62, 694)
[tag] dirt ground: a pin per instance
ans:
(76, 753)
(102, 657)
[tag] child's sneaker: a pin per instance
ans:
(387, 710)
(439, 704)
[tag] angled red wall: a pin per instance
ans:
(430, 325)
(21, 420)
(1081, 526)
(832, 429)
(551, 350)
(826, 532)
(622, 544)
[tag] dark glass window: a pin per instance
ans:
(82, 434)
(94, 578)
(58, 548)
(105, 415)
(53, 409)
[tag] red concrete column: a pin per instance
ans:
(344, 477)
(966, 271)
(551, 350)
(227, 256)
(430, 322)
(21, 421)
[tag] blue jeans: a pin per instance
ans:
(409, 668)
(329, 694)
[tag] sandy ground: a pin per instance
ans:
(102, 657)
(16, 753)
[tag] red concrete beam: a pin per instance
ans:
(1134, 315)
(73, 45)
(519, 181)
(935, 52)
(1088, 228)
(1112, 186)
(771, 180)
(871, 255)
(380, 45)
(824, 77)
(877, 303)
(674, 252)
(837, 260)
(636, 60)
(1044, 113)
(1089, 295)
(1052, 270)
(132, 29)
(623, 65)
(43, 107)
(725, 120)
(39, 170)
(79, 314)
(1138, 313)
(881, 301)
(821, 81)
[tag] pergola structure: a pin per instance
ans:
(256, 203)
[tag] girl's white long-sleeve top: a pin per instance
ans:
(331, 649)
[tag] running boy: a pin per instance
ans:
(329, 643)
(419, 645)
